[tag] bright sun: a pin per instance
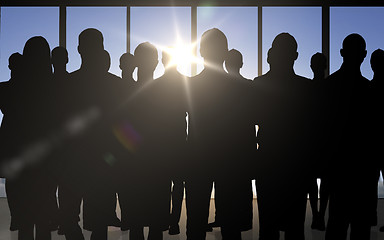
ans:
(182, 56)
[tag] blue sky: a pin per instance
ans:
(163, 26)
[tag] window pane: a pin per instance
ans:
(304, 23)
(111, 21)
(366, 21)
(239, 24)
(164, 27)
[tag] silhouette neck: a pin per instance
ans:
(144, 76)
(351, 69)
(319, 76)
(59, 70)
(126, 74)
(282, 71)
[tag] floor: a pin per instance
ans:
(116, 234)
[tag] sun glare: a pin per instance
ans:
(182, 55)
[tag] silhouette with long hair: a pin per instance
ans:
(284, 124)
(377, 63)
(349, 100)
(30, 120)
(318, 65)
(219, 127)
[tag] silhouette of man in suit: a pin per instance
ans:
(61, 78)
(90, 172)
(377, 63)
(218, 121)
(149, 163)
(15, 64)
(349, 95)
(282, 166)
(171, 91)
(233, 64)
(318, 65)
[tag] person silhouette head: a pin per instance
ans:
(59, 59)
(283, 53)
(37, 58)
(146, 57)
(213, 47)
(90, 47)
(127, 65)
(353, 51)
(318, 65)
(15, 64)
(377, 63)
(105, 61)
(234, 62)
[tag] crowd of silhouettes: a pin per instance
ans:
(92, 136)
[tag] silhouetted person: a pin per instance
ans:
(61, 78)
(233, 64)
(59, 62)
(377, 85)
(127, 66)
(171, 91)
(284, 123)
(90, 160)
(349, 105)
(15, 64)
(148, 164)
(219, 133)
(318, 65)
(30, 122)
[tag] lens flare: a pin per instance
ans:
(127, 136)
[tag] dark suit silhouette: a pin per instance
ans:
(348, 92)
(171, 93)
(147, 168)
(377, 63)
(284, 124)
(218, 139)
(91, 155)
(233, 64)
(16, 66)
(61, 91)
(318, 66)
